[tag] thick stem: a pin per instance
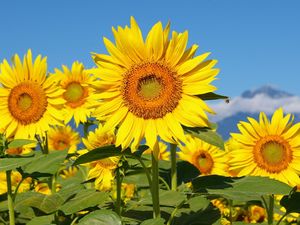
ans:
(173, 167)
(119, 189)
(10, 201)
(270, 211)
(155, 187)
(230, 211)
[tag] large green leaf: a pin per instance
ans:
(83, 200)
(240, 189)
(47, 203)
(99, 153)
(15, 162)
(42, 220)
(166, 198)
(186, 172)
(198, 203)
(206, 135)
(157, 221)
(46, 163)
(16, 143)
(101, 217)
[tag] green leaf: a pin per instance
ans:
(212, 96)
(47, 163)
(186, 172)
(16, 143)
(291, 202)
(198, 203)
(101, 217)
(206, 135)
(207, 216)
(46, 203)
(240, 189)
(166, 198)
(45, 220)
(157, 221)
(83, 200)
(100, 153)
(15, 162)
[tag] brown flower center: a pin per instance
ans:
(272, 153)
(151, 90)
(27, 102)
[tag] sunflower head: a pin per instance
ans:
(61, 138)
(101, 170)
(79, 94)
(150, 86)
(207, 158)
(267, 148)
(30, 100)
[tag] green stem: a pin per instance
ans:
(173, 167)
(270, 211)
(165, 183)
(17, 188)
(86, 129)
(148, 174)
(155, 187)
(174, 212)
(230, 210)
(10, 201)
(119, 187)
(74, 221)
(283, 216)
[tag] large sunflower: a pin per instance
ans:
(29, 101)
(208, 158)
(267, 148)
(79, 94)
(101, 170)
(150, 87)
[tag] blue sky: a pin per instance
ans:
(256, 42)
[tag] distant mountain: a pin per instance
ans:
(268, 91)
(249, 104)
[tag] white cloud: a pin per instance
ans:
(259, 103)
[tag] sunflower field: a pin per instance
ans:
(130, 141)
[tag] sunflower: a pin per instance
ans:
(101, 170)
(79, 94)
(60, 138)
(163, 154)
(16, 178)
(29, 101)
(267, 148)
(23, 150)
(208, 158)
(150, 87)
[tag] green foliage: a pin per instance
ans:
(207, 135)
(101, 217)
(157, 221)
(82, 200)
(16, 143)
(46, 163)
(239, 189)
(291, 202)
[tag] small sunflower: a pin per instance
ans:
(208, 158)
(23, 150)
(79, 94)
(163, 154)
(150, 87)
(267, 148)
(60, 138)
(16, 178)
(29, 101)
(101, 170)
